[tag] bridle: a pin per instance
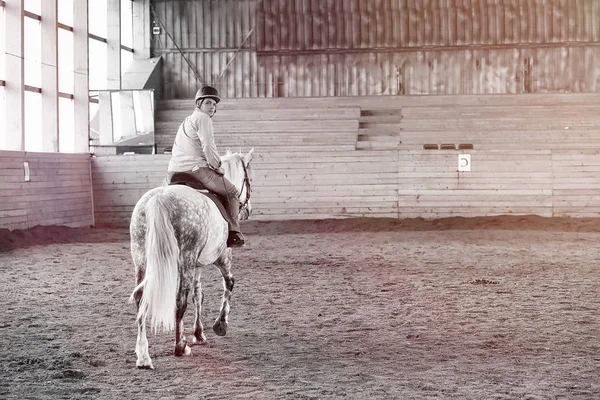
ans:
(246, 185)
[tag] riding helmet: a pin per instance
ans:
(207, 92)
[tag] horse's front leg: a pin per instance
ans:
(224, 265)
(181, 347)
(199, 336)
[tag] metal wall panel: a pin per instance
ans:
(302, 48)
(368, 24)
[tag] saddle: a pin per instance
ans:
(183, 178)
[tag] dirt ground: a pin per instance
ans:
(483, 308)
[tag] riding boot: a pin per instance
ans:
(235, 239)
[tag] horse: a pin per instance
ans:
(175, 231)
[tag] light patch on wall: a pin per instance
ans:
(26, 168)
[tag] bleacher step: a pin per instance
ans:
(376, 145)
(379, 131)
(376, 120)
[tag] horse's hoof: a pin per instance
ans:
(220, 328)
(146, 365)
(185, 351)
(200, 341)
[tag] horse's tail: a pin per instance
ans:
(161, 280)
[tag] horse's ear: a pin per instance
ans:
(227, 151)
(248, 157)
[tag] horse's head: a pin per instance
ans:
(237, 169)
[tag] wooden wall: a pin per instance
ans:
(533, 154)
(549, 183)
(59, 191)
(304, 48)
(120, 181)
(286, 185)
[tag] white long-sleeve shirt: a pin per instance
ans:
(194, 144)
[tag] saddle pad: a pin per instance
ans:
(181, 178)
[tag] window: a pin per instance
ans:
(126, 59)
(33, 121)
(2, 45)
(97, 18)
(65, 12)
(33, 6)
(32, 41)
(33, 52)
(115, 107)
(97, 70)
(94, 121)
(126, 23)
(126, 34)
(3, 127)
(65, 61)
(66, 129)
(143, 104)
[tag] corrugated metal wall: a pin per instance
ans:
(379, 47)
(209, 33)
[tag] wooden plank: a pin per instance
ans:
(331, 209)
(225, 115)
(14, 222)
(449, 101)
(54, 197)
(475, 212)
(340, 194)
(6, 214)
(281, 130)
(27, 193)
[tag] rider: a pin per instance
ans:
(194, 152)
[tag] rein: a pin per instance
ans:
(245, 184)
(248, 187)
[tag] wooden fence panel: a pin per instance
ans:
(58, 191)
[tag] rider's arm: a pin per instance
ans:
(207, 138)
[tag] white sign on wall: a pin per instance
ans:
(464, 162)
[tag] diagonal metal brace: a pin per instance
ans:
(235, 54)
(192, 67)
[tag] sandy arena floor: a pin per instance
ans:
(485, 308)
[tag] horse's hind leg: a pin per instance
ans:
(181, 347)
(141, 347)
(224, 265)
(199, 336)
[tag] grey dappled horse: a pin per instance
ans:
(174, 232)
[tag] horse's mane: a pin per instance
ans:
(229, 154)
(233, 160)
(236, 161)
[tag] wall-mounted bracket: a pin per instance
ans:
(464, 162)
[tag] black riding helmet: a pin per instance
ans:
(207, 92)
